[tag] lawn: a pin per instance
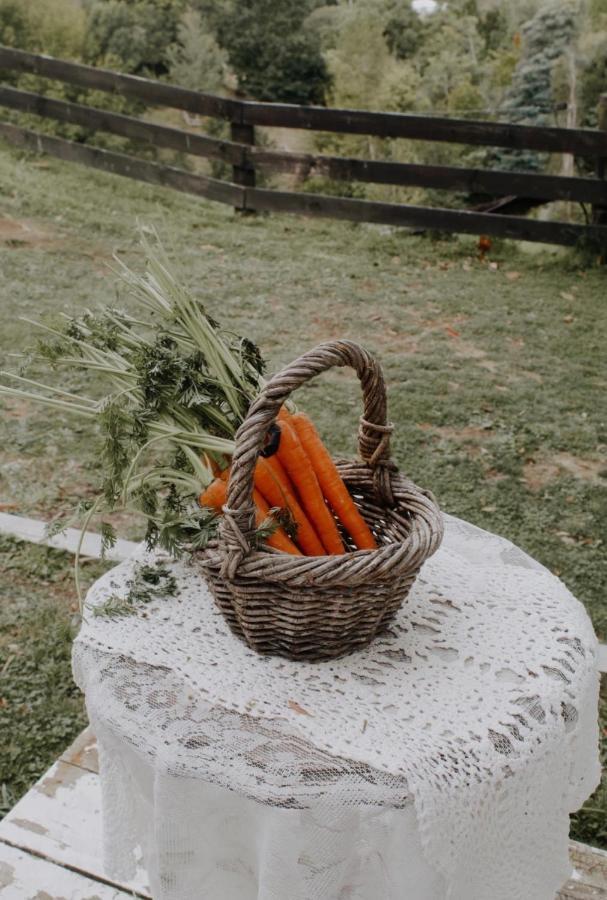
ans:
(495, 367)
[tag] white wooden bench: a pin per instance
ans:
(50, 842)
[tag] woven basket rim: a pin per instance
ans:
(426, 525)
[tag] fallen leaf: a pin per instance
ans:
(566, 296)
(292, 704)
(488, 508)
(451, 331)
(568, 320)
(566, 538)
(493, 266)
(513, 276)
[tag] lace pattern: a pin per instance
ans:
(474, 717)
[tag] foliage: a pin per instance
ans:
(41, 709)
(365, 75)
(593, 79)
(272, 54)
(147, 584)
(529, 99)
(176, 386)
(195, 60)
(403, 29)
(132, 35)
(56, 27)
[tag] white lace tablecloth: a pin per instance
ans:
(442, 762)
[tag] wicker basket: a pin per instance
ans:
(321, 607)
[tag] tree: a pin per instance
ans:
(530, 98)
(404, 28)
(273, 55)
(133, 34)
(48, 26)
(196, 60)
(365, 75)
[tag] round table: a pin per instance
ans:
(441, 762)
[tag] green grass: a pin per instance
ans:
(41, 709)
(496, 369)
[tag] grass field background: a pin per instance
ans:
(496, 372)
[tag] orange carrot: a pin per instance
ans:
(299, 469)
(275, 486)
(332, 484)
(273, 482)
(279, 538)
(215, 497)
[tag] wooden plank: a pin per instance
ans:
(59, 820)
(448, 220)
(24, 876)
(599, 208)
(125, 126)
(590, 874)
(82, 752)
(34, 531)
(244, 172)
(121, 164)
(147, 90)
(467, 180)
(580, 141)
(452, 178)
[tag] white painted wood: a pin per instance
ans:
(589, 881)
(27, 877)
(34, 531)
(602, 658)
(60, 819)
(50, 843)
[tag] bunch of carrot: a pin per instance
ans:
(302, 479)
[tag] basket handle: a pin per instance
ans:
(238, 521)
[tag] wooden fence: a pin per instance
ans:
(521, 190)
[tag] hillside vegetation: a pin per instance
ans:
(540, 62)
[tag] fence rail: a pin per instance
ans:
(522, 190)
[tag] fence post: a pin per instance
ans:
(243, 174)
(599, 213)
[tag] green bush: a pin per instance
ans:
(134, 33)
(273, 55)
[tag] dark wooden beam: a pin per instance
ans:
(447, 220)
(148, 91)
(121, 164)
(449, 178)
(125, 126)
